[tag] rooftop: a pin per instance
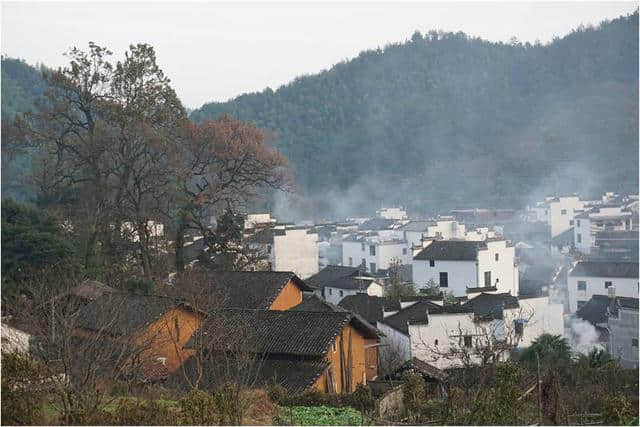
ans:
(450, 250)
(605, 269)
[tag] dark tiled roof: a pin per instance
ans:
(417, 313)
(424, 368)
(617, 235)
(313, 303)
(376, 224)
(491, 306)
(533, 288)
(121, 314)
(597, 309)
(251, 289)
(339, 277)
(606, 269)
(90, 290)
(451, 250)
(296, 374)
(563, 239)
(420, 226)
(292, 332)
(264, 236)
(481, 289)
(368, 306)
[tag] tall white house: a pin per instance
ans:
(374, 252)
(288, 249)
(590, 278)
(457, 266)
(392, 213)
(605, 218)
(558, 212)
(435, 333)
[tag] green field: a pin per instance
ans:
(319, 415)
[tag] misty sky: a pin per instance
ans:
(215, 51)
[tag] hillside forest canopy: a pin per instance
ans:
(441, 121)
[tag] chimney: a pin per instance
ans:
(611, 291)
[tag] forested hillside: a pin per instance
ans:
(21, 85)
(446, 119)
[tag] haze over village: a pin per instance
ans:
(438, 231)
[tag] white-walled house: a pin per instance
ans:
(392, 213)
(334, 282)
(458, 266)
(606, 218)
(589, 278)
(288, 249)
(375, 252)
(446, 228)
(251, 220)
(435, 333)
(558, 212)
(622, 323)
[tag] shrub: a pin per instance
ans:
(413, 394)
(277, 393)
(22, 394)
(198, 408)
(619, 411)
(140, 412)
(362, 398)
(140, 286)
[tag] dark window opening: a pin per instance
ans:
(372, 250)
(582, 285)
(468, 342)
(444, 279)
(372, 267)
(634, 342)
(497, 257)
(432, 263)
(487, 279)
(563, 212)
(607, 284)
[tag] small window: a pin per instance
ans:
(372, 250)
(582, 285)
(577, 223)
(270, 266)
(487, 279)
(563, 212)
(404, 251)
(350, 262)
(363, 263)
(341, 293)
(268, 249)
(579, 238)
(330, 291)
(570, 222)
(497, 257)
(468, 342)
(432, 263)
(362, 247)
(436, 342)
(444, 279)
(634, 342)
(518, 326)
(372, 267)
(607, 284)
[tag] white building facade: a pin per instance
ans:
(558, 212)
(374, 252)
(588, 224)
(590, 278)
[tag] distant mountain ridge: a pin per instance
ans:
(449, 119)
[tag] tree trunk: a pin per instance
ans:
(182, 227)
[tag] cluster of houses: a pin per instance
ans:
(487, 283)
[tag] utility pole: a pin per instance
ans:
(539, 391)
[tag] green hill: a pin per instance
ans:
(449, 120)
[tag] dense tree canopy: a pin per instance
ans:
(446, 119)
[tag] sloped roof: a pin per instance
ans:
(450, 250)
(597, 309)
(376, 224)
(121, 314)
(313, 303)
(291, 332)
(606, 269)
(417, 313)
(417, 225)
(340, 277)
(368, 306)
(563, 239)
(617, 235)
(263, 236)
(424, 368)
(490, 306)
(296, 374)
(90, 290)
(251, 289)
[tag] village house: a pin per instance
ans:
(301, 350)
(156, 327)
(392, 213)
(447, 336)
(456, 266)
(263, 290)
(588, 278)
(374, 308)
(605, 218)
(334, 282)
(374, 252)
(621, 245)
(557, 212)
(616, 321)
(287, 248)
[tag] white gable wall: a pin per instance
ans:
(296, 251)
(461, 274)
(624, 287)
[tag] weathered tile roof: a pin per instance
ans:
(313, 303)
(606, 269)
(376, 224)
(296, 374)
(416, 313)
(450, 250)
(121, 314)
(490, 306)
(424, 368)
(597, 309)
(251, 289)
(372, 307)
(417, 225)
(292, 332)
(339, 277)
